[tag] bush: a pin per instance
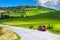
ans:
(4, 16)
(50, 26)
(31, 27)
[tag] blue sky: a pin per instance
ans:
(47, 3)
(4, 3)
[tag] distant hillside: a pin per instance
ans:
(33, 11)
(51, 15)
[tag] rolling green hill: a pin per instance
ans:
(27, 10)
(34, 15)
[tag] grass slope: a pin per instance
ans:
(35, 17)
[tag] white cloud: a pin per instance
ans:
(51, 2)
(55, 4)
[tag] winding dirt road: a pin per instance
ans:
(27, 34)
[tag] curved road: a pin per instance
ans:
(27, 34)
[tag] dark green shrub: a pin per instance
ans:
(50, 26)
(4, 16)
(31, 27)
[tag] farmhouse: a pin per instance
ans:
(3, 13)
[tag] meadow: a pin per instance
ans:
(26, 23)
(35, 17)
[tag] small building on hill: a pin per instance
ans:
(3, 13)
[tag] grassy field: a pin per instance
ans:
(35, 17)
(26, 23)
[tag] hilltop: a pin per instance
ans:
(32, 11)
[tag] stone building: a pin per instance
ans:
(3, 13)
